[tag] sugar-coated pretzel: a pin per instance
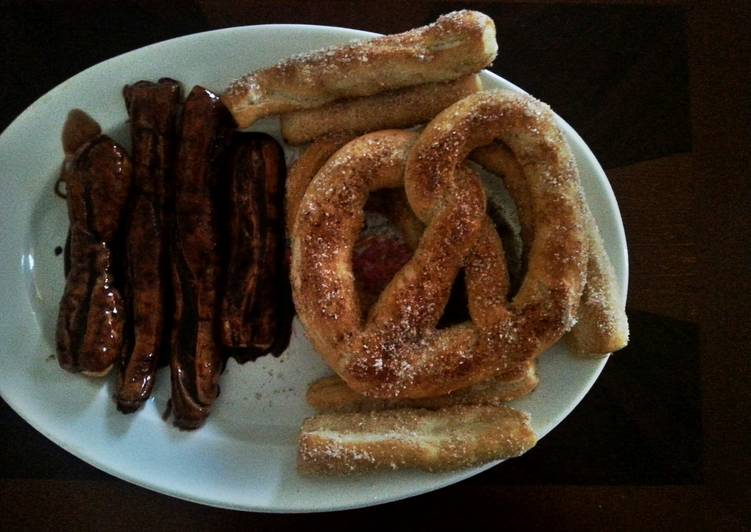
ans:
(390, 203)
(304, 168)
(398, 351)
(602, 325)
(332, 394)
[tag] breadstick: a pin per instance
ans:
(303, 170)
(432, 440)
(460, 43)
(602, 325)
(331, 394)
(97, 173)
(399, 108)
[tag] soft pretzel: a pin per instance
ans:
(457, 44)
(500, 161)
(602, 325)
(399, 108)
(398, 351)
(390, 203)
(304, 169)
(331, 394)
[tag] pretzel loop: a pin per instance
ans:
(397, 350)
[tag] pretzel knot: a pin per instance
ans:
(397, 350)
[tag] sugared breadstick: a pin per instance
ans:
(432, 440)
(457, 44)
(602, 325)
(331, 394)
(399, 108)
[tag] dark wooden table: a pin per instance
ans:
(660, 91)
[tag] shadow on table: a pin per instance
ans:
(640, 423)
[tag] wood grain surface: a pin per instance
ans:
(660, 91)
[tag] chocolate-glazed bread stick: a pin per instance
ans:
(97, 176)
(153, 109)
(197, 359)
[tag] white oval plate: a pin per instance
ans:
(244, 457)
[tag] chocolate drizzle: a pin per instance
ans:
(153, 109)
(256, 311)
(97, 175)
(196, 359)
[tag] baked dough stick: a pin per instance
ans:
(331, 394)
(196, 360)
(152, 108)
(399, 108)
(97, 174)
(457, 44)
(432, 440)
(602, 325)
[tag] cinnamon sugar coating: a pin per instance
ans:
(331, 394)
(396, 351)
(457, 44)
(601, 323)
(433, 440)
(401, 108)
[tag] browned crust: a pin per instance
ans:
(303, 170)
(400, 108)
(433, 440)
(457, 44)
(602, 325)
(499, 160)
(331, 394)
(397, 351)
(390, 203)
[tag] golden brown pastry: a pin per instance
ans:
(399, 108)
(398, 351)
(457, 44)
(303, 170)
(433, 440)
(331, 394)
(602, 325)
